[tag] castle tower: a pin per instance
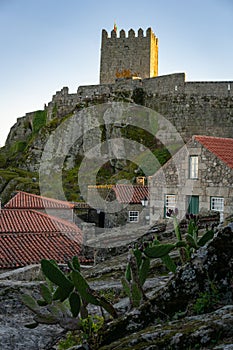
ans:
(131, 56)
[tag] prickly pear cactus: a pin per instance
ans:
(52, 309)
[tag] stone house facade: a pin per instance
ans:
(116, 205)
(199, 177)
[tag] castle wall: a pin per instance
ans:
(62, 104)
(192, 107)
(128, 56)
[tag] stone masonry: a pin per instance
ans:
(215, 179)
(132, 56)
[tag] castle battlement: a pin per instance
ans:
(127, 56)
(131, 34)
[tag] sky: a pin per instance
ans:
(48, 44)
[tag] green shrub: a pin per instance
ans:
(39, 120)
(207, 301)
(3, 160)
(17, 147)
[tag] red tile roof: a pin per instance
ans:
(27, 236)
(131, 194)
(26, 200)
(221, 147)
(32, 221)
(17, 250)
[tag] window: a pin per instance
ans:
(170, 203)
(217, 204)
(193, 167)
(133, 216)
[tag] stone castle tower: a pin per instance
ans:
(128, 57)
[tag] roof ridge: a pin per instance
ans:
(213, 137)
(42, 198)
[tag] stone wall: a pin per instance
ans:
(215, 178)
(128, 56)
(62, 104)
(204, 108)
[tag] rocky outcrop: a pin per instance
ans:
(209, 275)
(176, 315)
(192, 108)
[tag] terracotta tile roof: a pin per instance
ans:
(32, 221)
(99, 193)
(131, 194)
(27, 236)
(26, 200)
(221, 147)
(17, 250)
(123, 193)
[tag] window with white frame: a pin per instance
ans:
(217, 204)
(133, 216)
(193, 167)
(170, 203)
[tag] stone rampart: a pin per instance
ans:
(192, 107)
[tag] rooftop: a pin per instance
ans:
(27, 236)
(130, 193)
(32, 221)
(17, 250)
(221, 147)
(26, 200)
(123, 193)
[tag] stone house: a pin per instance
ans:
(116, 205)
(199, 177)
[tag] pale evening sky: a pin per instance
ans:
(48, 44)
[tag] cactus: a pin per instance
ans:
(46, 294)
(73, 287)
(126, 286)
(136, 294)
(75, 303)
(144, 270)
(169, 263)
(159, 250)
(55, 275)
(208, 235)
(193, 242)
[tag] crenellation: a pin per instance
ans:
(127, 57)
(131, 33)
(140, 33)
(149, 32)
(113, 34)
(104, 35)
(122, 33)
